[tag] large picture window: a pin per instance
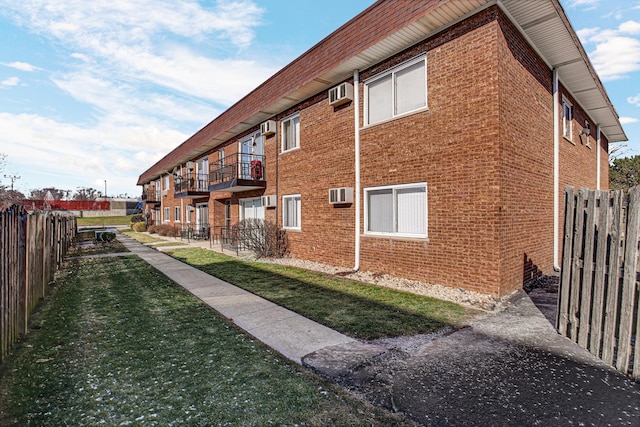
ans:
(291, 211)
(291, 133)
(401, 90)
(398, 210)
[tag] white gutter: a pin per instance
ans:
(556, 170)
(356, 120)
(598, 172)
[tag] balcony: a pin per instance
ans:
(151, 196)
(191, 184)
(238, 172)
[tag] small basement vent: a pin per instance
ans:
(268, 128)
(269, 201)
(340, 195)
(341, 94)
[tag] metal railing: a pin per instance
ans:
(151, 195)
(191, 231)
(191, 181)
(238, 166)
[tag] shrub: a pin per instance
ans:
(138, 218)
(164, 230)
(139, 226)
(262, 238)
(105, 236)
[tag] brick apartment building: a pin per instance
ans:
(430, 140)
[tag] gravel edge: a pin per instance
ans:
(463, 297)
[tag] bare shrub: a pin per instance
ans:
(164, 230)
(262, 238)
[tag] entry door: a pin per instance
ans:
(251, 148)
(202, 174)
(251, 208)
(202, 215)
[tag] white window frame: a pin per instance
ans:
(394, 189)
(176, 213)
(393, 72)
(286, 223)
(567, 122)
(166, 214)
(165, 182)
(241, 202)
(291, 119)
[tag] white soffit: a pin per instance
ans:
(546, 26)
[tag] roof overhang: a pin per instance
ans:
(542, 22)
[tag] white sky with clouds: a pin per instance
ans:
(95, 91)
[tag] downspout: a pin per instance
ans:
(598, 158)
(356, 120)
(556, 171)
(277, 143)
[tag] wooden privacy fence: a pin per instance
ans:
(598, 295)
(32, 247)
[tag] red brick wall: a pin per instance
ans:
(526, 161)
(484, 147)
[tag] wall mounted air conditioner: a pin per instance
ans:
(341, 94)
(269, 201)
(340, 195)
(268, 128)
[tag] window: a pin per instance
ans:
(166, 182)
(176, 212)
(401, 90)
(251, 208)
(400, 210)
(167, 215)
(291, 211)
(567, 119)
(291, 133)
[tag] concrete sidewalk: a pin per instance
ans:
(283, 330)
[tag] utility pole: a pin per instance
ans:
(13, 179)
(105, 188)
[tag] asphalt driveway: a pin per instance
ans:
(511, 369)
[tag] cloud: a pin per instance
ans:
(144, 44)
(628, 120)
(22, 66)
(634, 100)
(616, 52)
(41, 147)
(11, 81)
(587, 4)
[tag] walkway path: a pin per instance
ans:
(283, 330)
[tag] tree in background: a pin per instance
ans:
(624, 173)
(41, 193)
(84, 193)
(8, 196)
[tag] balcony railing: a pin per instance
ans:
(151, 196)
(190, 184)
(237, 172)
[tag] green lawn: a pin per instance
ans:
(357, 309)
(103, 220)
(118, 343)
(141, 237)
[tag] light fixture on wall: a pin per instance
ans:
(586, 130)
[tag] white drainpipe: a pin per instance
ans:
(556, 171)
(356, 109)
(598, 172)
